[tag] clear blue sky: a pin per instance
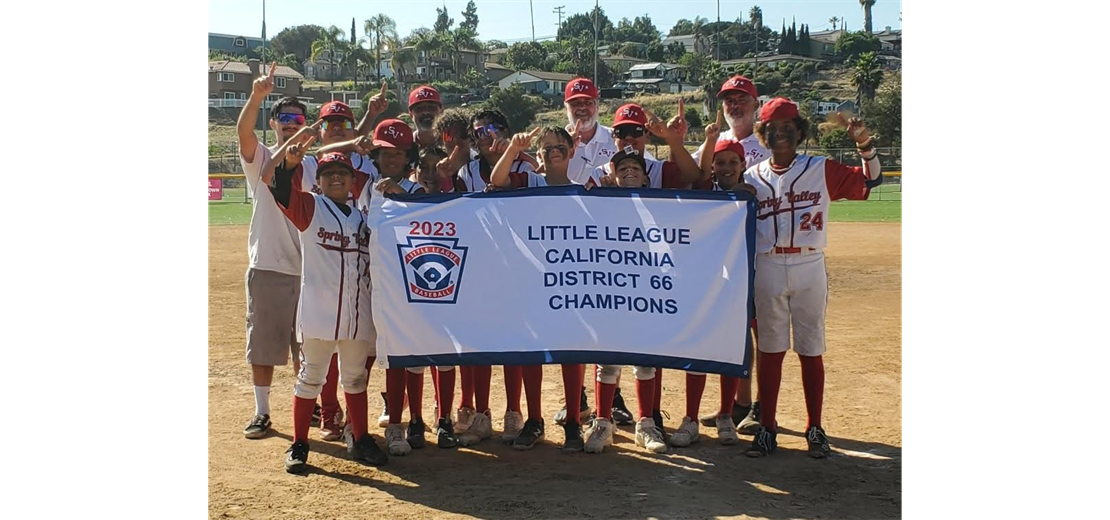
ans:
(509, 20)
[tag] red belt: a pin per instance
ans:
(790, 250)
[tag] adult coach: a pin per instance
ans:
(424, 107)
(593, 142)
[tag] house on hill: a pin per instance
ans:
(229, 82)
(495, 72)
(232, 44)
(656, 77)
(621, 64)
(548, 84)
(694, 43)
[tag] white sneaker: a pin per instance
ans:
(383, 419)
(598, 435)
(463, 416)
(726, 430)
(686, 434)
(395, 440)
(514, 422)
(649, 436)
(480, 428)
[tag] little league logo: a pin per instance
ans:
(432, 268)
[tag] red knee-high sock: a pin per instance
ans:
(395, 393)
(356, 412)
(605, 392)
(729, 385)
(302, 417)
(466, 374)
(329, 399)
(514, 378)
(445, 392)
(435, 384)
(482, 377)
(770, 377)
(414, 384)
(813, 384)
(645, 396)
(572, 390)
(533, 386)
(695, 387)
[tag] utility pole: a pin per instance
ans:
(262, 67)
(532, 15)
(595, 41)
(559, 11)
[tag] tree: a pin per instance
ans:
(459, 40)
(496, 44)
(428, 42)
(328, 42)
(851, 44)
(296, 40)
(525, 56)
(443, 23)
(470, 17)
(866, 4)
(472, 79)
(884, 113)
(867, 76)
(267, 55)
(836, 139)
(401, 57)
(756, 17)
(782, 39)
(582, 24)
(519, 108)
(674, 52)
(655, 51)
(833, 21)
(383, 28)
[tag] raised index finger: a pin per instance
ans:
(533, 133)
(682, 107)
(385, 87)
(273, 68)
(720, 118)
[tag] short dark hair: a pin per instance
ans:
(433, 151)
(287, 102)
(412, 156)
(495, 117)
(559, 132)
(454, 122)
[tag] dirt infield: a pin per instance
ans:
(863, 416)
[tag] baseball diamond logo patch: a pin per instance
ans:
(432, 268)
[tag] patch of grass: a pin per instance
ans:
(866, 211)
(231, 210)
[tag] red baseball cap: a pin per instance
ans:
(630, 114)
(730, 146)
(337, 109)
(580, 88)
(393, 133)
(778, 108)
(334, 157)
(424, 93)
(738, 84)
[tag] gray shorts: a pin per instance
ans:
(272, 317)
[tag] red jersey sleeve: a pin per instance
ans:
(298, 206)
(360, 181)
(845, 182)
(672, 175)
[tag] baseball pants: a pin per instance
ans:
(791, 290)
(315, 358)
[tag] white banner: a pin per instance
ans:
(656, 278)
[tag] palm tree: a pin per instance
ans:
(833, 21)
(401, 57)
(328, 42)
(458, 40)
(430, 44)
(867, 77)
(866, 4)
(383, 28)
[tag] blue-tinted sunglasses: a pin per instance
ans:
(288, 119)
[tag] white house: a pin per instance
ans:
(538, 82)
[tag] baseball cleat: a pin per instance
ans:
(332, 430)
(818, 442)
(383, 419)
(297, 459)
(415, 433)
(657, 418)
(583, 410)
(395, 440)
(621, 415)
(480, 428)
(445, 434)
(513, 423)
(750, 424)
(463, 416)
(649, 436)
(317, 412)
(366, 451)
(738, 414)
(598, 435)
(572, 433)
(258, 427)
(686, 434)
(530, 434)
(764, 443)
(726, 430)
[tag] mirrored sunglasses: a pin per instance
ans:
(288, 119)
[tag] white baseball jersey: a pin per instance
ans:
(272, 241)
(754, 153)
(661, 174)
(591, 155)
(793, 206)
(521, 175)
(335, 276)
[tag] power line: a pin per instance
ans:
(559, 11)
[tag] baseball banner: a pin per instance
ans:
(560, 274)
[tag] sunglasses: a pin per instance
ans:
(288, 119)
(485, 131)
(343, 125)
(633, 131)
(561, 148)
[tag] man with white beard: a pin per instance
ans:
(424, 107)
(740, 100)
(594, 142)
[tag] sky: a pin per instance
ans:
(508, 20)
